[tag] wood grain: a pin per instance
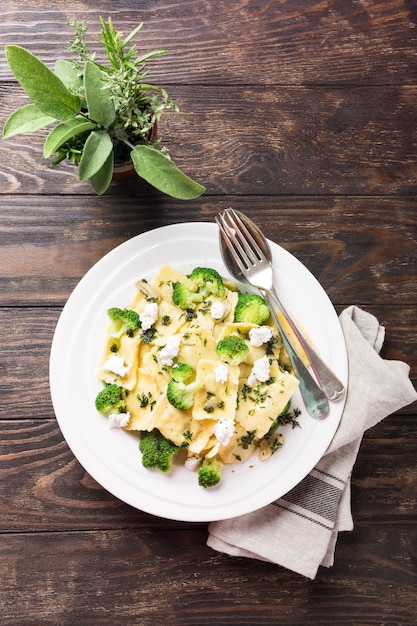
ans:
(44, 486)
(302, 115)
(24, 358)
(114, 576)
(270, 141)
(363, 250)
(239, 42)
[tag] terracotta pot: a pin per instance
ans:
(123, 171)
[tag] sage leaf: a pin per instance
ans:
(162, 173)
(101, 180)
(95, 153)
(45, 89)
(69, 75)
(99, 102)
(26, 119)
(65, 131)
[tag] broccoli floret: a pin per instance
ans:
(157, 451)
(181, 372)
(180, 395)
(123, 321)
(210, 472)
(208, 281)
(183, 297)
(205, 282)
(251, 309)
(232, 349)
(111, 399)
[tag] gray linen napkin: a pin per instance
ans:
(299, 531)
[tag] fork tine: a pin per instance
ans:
(244, 234)
(237, 239)
(231, 242)
(241, 249)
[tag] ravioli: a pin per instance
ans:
(216, 399)
(224, 392)
(259, 406)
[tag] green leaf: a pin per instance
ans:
(101, 180)
(163, 174)
(69, 75)
(65, 131)
(26, 119)
(99, 102)
(96, 151)
(131, 35)
(46, 90)
(149, 55)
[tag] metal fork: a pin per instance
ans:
(246, 259)
(257, 243)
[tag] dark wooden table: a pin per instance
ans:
(303, 115)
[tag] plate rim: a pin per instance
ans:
(205, 230)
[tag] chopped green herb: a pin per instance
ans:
(190, 315)
(143, 400)
(148, 336)
(247, 439)
(187, 434)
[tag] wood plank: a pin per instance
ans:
(150, 577)
(24, 358)
(362, 250)
(43, 486)
(385, 474)
(26, 337)
(232, 42)
(250, 140)
(302, 115)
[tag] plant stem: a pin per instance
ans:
(109, 131)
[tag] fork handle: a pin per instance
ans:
(314, 398)
(328, 381)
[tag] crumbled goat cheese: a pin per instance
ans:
(192, 463)
(149, 315)
(260, 371)
(116, 365)
(170, 351)
(260, 335)
(217, 310)
(221, 373)
(224, 430)
(119, 420)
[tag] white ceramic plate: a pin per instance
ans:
(111, 456)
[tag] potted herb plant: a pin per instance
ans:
(102, 114)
